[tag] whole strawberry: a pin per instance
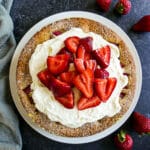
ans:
(141, 124)
(123, 141)
(143, 24)
(104, 4)
(123, 7)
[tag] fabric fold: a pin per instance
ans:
(10, 138)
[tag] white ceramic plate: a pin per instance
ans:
(45, 22)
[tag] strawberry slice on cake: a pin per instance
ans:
(85, 103)
(84, 82)
(88, 76)
(105, 87)
(57, 64)
(72, 43)
(102, 56)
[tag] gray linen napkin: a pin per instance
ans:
(10, 138)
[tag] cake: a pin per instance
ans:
(32, 103)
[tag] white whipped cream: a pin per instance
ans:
(44, 98)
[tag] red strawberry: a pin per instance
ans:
(27, 90)
(82, 53)
(105, 87)
(66, 100)
(82, 65)
(72, 43)
(90, 64)
(56, 33)
(101, 73)
(45, 77)
(104, 4)
(65, 51)
(102, 56)
(85, 103)
(67, 77)
(123, 7)
(59, 88)
(79, 64)
(141, 124)
(87, 43)
(123, 141)
(84, 82)
(57, 64)
(143, 24)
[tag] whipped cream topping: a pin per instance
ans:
(44, 99)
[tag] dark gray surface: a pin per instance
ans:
(26, 13)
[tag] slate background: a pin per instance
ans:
(26, 13)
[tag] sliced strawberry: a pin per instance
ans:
(57, 64)
(67, 76)
(85, 103)
(45, 77)
(65, 51)
(101, 73)
(66, 100)
(62, 91)
(85, 48)
(102, 56)
(56, 33)
(82, 65)
(72, 43)
(90, 64)
(79, 64)
(82, 53)
(27, 90)
(59, 88)
(105, 87)
(87, 43)
(84, 82)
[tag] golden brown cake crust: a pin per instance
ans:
(24, 79)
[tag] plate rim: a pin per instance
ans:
(36, 28)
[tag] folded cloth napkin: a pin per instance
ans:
(10, 138)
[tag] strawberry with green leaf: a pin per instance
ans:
(123, 141)
(123, 7)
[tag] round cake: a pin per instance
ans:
(49, 113)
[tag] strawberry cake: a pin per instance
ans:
(75, 77)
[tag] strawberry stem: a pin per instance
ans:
(120, 8)
(121, 136)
